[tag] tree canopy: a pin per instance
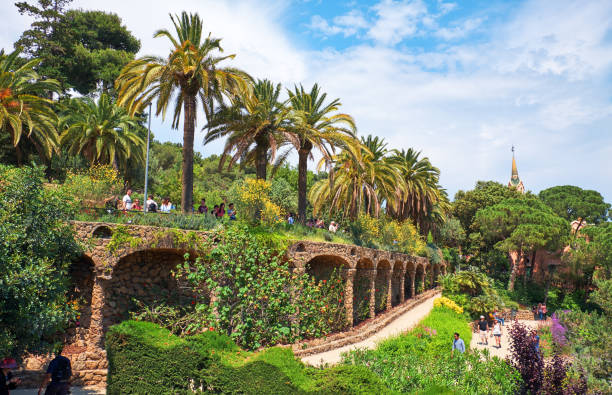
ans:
(571, 202)
(521, 225)
(84, 50)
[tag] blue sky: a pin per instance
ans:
(462, 81)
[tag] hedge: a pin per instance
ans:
(145, 358)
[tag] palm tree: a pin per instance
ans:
(424, 201)
(102, 132)
(24, 110)
(361, 180)
(317, 125)
(256, 127)
(385, 176)
(192, 73)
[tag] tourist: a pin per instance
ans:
(333, 227)
(458, 344)
(127, 200)
(310, 223)
(543, 317)
(136, 205)
(320, 224)
(497, 332)
(231, 212)
(166, 205)
(7, 381)
(151, 205)
(483, 326)
(290, 219)
(540, 311)
(534, 310)
(215, 210)
(221, 210)
(203, 209)
(58, 376)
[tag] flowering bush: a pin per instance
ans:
(446, 302)
(97, 184)
(256, 207)
(254, 296)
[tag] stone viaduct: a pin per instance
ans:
(110, 276)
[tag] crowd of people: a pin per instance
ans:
(317, 223)
(166, 206)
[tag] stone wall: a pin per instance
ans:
(106, 280)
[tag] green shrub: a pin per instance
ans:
(350, 379)
(147, 359)
(472, 290)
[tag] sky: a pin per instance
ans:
(460, 81)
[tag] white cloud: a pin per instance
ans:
(396, 20)
(459, 31)
(348, 24)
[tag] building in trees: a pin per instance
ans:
(515, 181)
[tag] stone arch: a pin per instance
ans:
(145, 276)
(383, 270)
(321, 267)
(102, 232)
(396, 283)
(82, 279)
(362, 290)
(419, 279)
(408, 285)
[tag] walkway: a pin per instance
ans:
(401, 324)
(502, 352)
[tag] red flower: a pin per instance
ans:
(324, 281)
(211, 329)
(193, 302)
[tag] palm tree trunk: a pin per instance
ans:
(261, 159)
(188, 135)
(303, 153)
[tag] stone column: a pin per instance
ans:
(349, 276)
(389, 288)
(402, 285)
(95, 334)
(372, 293)
(423, 279)
(412, 283)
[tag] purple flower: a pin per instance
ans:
(558, 331)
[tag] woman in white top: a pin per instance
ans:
(497, 332)
(166, 206)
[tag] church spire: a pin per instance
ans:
(515, 181)
(514, 170)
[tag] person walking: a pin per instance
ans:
(127, 200)
(497, 332)
(458, 344)
(483, 327)
(231, 212)
(543, 312)
(57, 379)
(540, 311)
(7, 381)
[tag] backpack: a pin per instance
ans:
(152, 208)
(62, 372)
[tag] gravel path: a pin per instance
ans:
(403, 323)
(505, 339)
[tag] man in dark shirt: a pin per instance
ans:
(7, 381)
(482, 329)
(58, 376)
